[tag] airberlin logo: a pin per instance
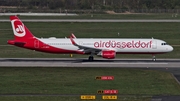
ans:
(18, 28)
(129, 44)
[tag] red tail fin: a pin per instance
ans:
(19, 29)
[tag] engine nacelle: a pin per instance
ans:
(108, 54)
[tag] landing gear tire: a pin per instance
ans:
(91, 58)
(154, 58)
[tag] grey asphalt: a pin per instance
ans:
(83, 62)
(38, 14)
(94, 20)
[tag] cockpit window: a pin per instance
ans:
(163, 43)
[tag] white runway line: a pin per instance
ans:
(126, 63)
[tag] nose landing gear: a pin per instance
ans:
(154, 58)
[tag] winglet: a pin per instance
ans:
(74, 43)
(73, 36)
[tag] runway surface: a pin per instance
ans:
(98, 62)
(93, 20)
(168, 65)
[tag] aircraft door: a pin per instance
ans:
(36, 43)
(154, 44)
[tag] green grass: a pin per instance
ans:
(132, 84)
(40, 98)
(105, 16)
(82, 81)
(165, 31)
(168, 32)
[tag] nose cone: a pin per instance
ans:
(170, 48)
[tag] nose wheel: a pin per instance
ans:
(154, 58)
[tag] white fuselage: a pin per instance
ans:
(118, 45)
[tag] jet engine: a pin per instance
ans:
(108, 54)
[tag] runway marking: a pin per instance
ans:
(71, 62)
(95, 20)
(125, 63)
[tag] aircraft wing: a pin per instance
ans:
(85, 48)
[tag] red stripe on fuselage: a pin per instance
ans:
(35, 44)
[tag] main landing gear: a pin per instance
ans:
(91, 58)
(154, 58)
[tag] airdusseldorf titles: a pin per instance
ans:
(115, 44)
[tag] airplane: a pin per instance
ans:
(107, 48)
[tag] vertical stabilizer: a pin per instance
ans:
(19, 29)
